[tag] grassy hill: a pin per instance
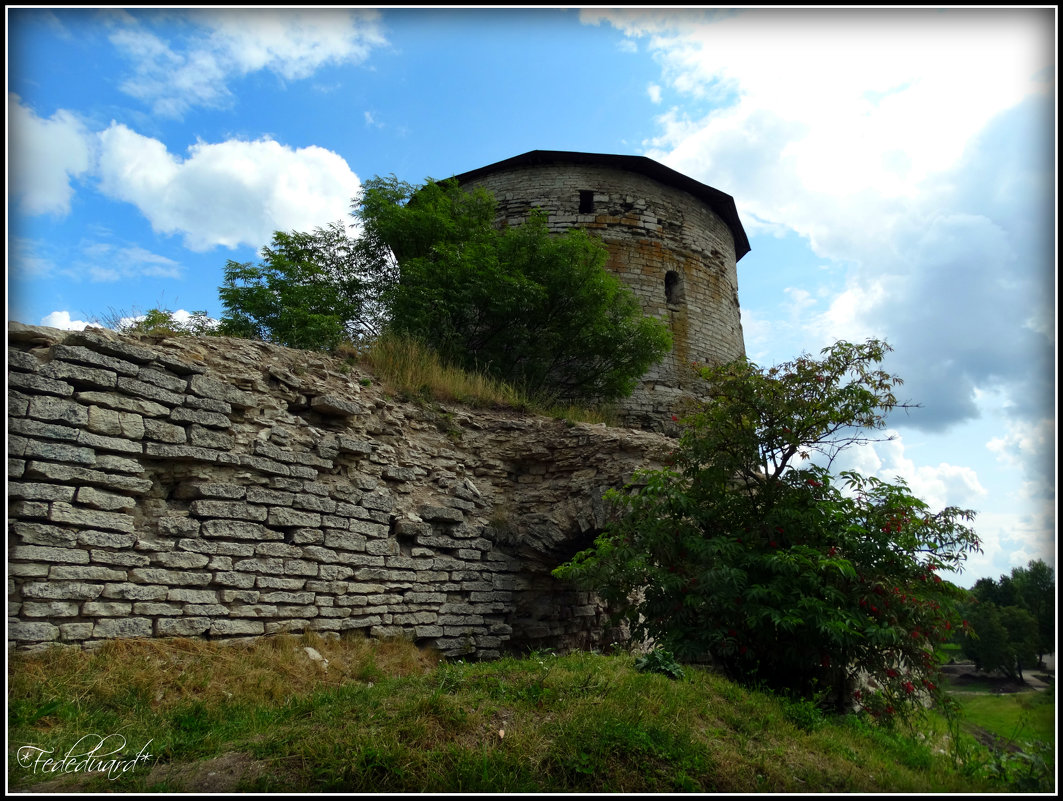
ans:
(386, 717)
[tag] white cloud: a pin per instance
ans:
(938, 485)
(45, 155)
(104, 262)
(172, 82)
(848, 314)
(654, 92)
(26, 258)
(1023, 441)
(61, 319)
(294, 44)
(1012, 540)
(801, 300)
(187, 62)
(1030, 446)
(231, 193)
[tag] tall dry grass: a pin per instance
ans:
(416, 371)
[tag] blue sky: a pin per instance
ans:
(894, 169)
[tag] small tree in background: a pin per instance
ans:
(536, 310)
(784, 575)
(1037, 589)
(1003, 638)
(312, 291)
(1013, 620)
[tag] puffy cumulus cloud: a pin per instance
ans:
(231, 193)
(45, 156)
(187, 60)
(61, 319)
(903, 87)
(955, 306)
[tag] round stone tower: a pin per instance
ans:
(674, 241)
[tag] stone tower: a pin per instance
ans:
(674, 241)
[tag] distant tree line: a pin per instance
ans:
(1013, 620)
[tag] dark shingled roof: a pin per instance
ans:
(720, 202)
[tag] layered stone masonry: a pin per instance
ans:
(674, 252)
(210, 487)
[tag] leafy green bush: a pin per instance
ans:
(659, 661)
(787, 576)
(535, 310)
(162, 322)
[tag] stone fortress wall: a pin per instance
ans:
(222, 488)
(673, 241)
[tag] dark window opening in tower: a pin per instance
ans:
(586, 201)
(673, 288)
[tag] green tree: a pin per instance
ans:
(312, 290)
(1032, 588)
(1003, 638)
(518, 303)
(1037, 588)
(987, 642)
(783, 574)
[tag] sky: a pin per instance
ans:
(893, 169)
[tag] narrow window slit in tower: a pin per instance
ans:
(586, 201)
(673, 288)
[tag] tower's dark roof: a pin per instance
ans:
(720, 202)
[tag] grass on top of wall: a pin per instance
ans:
(385, 716)
(415, 371)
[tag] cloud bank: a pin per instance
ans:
(910, 147)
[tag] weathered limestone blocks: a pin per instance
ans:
(673, 241)
(209, 487)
